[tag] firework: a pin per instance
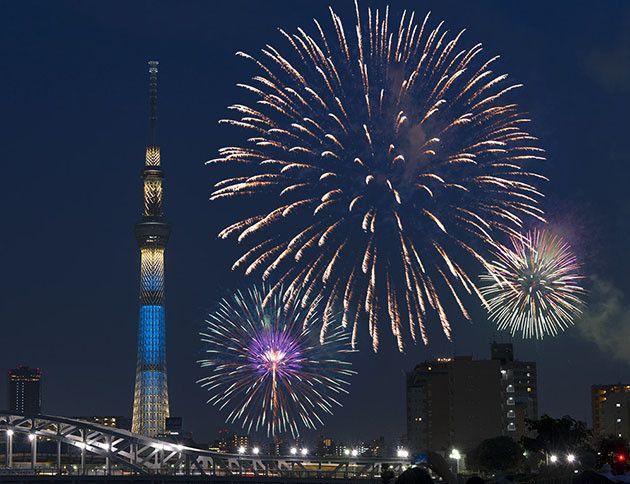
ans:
(533, 287)
(267, 366)
(383, 161)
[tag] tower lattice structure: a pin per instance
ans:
(150, 403)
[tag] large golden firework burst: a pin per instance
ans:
(383, 161)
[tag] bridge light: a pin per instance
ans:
(304, 451)
(402, 453)
(10, 433)
(354, 452)
(256, 450)
(293, 451)
(553, 458)
(571, 458)
(241, 450)
(346, 451)
(31, 437)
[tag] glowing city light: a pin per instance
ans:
(571, 458)
(304, 451)
(255, 450)
(402, 453)
(553, 458)
(293, 451)
(241, 450)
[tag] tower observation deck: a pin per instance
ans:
(150, 402)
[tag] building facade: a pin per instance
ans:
(25, 392)
(520, 384)
(112, 421)
(150, 403)
(610, 405)
(458, 402)
(454, 403)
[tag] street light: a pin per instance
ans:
(571, 458)
(255, 450)
(10, 433)
(402, 453)
(293, 451)
(354, 452)
(31, 437)
(553, 458)
(304, 451)
(346, 451)
(241, 450)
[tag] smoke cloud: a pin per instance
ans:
(606, 321)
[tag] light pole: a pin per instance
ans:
(9, 448)
(33, 439)
(456, 455)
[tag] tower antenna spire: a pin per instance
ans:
(150, 401)
(153, 72)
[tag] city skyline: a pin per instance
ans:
(110, 92)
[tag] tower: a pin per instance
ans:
(150, 402)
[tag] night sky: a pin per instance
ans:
(73, 127)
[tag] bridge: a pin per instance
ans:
(122, 453)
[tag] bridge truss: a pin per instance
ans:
(124, 452)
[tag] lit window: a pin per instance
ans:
(511, 414)
(511, 427)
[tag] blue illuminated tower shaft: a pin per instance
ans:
(150, 403)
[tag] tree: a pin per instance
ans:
(499, 454)
(553, 435)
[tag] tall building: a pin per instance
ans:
(520, 384)
(458, 402)
(150, 403)
(25, 393)
(454, 403)
(611, 410)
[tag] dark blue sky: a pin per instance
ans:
(73, 110)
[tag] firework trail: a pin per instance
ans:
(533, 287)
(383, 161)
(267, 367)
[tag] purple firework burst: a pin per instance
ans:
(269, 369)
